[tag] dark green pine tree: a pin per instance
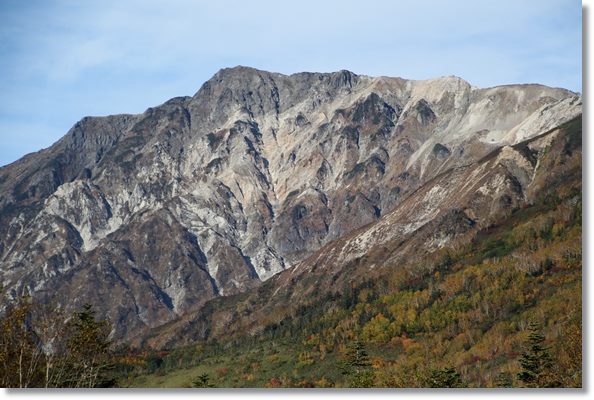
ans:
(536, 361)
(357, 366)
(88, 351)
(445, 378)
(504, 380)
(203, 381)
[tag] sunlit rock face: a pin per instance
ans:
(146, 216)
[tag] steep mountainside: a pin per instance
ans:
(441, 217)
(149, 216)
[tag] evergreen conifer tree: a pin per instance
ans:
(536, 361)
(88, 350)
(357, 366)
(203, 381)
(445, 378)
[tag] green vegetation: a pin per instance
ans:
(56, 353)
(501, 311)
(357, 366)
(536, 361)
(445, 378)
(203, 381)
(464, 320)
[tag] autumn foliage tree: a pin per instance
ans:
(41, 350)
(88, 347)
(20, 352)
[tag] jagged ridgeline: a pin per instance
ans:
(221, 213)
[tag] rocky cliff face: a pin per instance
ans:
(406, 245)
(148, 216)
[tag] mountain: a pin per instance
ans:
(471, 308)
(464, 204)
(153, 217)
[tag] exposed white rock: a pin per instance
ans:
(254, 174)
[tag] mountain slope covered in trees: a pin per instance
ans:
(469, 316)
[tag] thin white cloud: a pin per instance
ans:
(64, 59)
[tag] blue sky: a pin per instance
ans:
(62, 60)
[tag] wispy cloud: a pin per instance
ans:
(66, 59)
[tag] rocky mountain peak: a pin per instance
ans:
(212, 194)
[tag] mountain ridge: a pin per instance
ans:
(328, 273)
(212, 194)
